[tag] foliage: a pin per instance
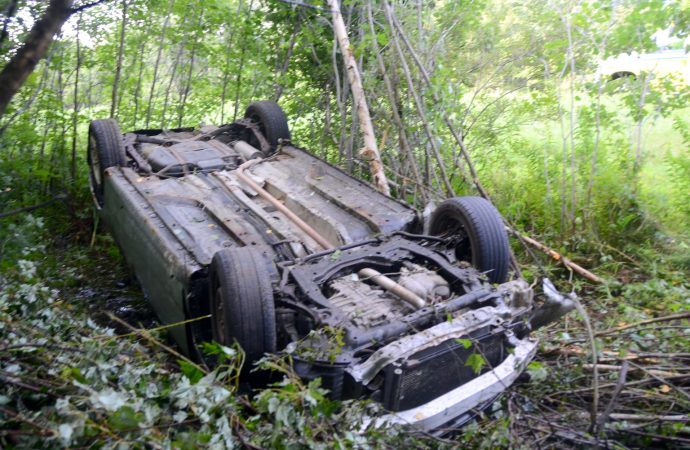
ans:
(596, 168)
(70, 381)
(522, 87)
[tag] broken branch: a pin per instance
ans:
(683, 315)
(557, 256)
(33, 207)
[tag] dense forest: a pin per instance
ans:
(504, 99)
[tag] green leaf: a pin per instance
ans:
(191, 371)
(125, 418)
(466, 343)
(75, 374)
(476, 362)
(537, 371)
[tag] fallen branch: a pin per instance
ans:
(33, 207)
(150, 330)
(144, 334)
(609, 356)
(557, 256)
(614, 368)
(620, 384)
(649, 417)
(16, 382)
(595, 378)
(683, 315)
(660, 437)
(18, 416)
(662, 379)
(628, 384)
(566, 433)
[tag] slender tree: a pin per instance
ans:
(188, 84)
(161, 44)
(230, 31)
(75, 112)
(370, 151)
(240, 69)
(118, 64)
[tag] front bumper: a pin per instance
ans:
(461, 400)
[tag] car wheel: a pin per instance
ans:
(241, 301)
(479, 232)
(105, 149)
(271, 121)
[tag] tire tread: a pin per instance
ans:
(485, 229)
(272, 119)
(248, 300)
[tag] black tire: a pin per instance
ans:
(241, 301)
(271, 120)
(105, 149)
(482, 238)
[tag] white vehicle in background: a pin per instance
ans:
(662, 64)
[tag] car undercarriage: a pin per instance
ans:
(241, 237)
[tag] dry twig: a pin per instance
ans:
(683, 315)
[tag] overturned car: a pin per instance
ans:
(271, 247)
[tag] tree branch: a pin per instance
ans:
(9, 13)
(87, 6)
(32, 207)
(682, 315)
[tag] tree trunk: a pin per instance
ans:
(404, 143)
(137, 90)
(458, 134)
(188, 83)
(419, 105)
(75, 113)
(640, 110)
(595, 148)
(340, 99)
(243, 50)
(157, 64)
(120, 53)
(170, 83)
(284, 68)
(370, 150)
(15, 73)
(573, 118)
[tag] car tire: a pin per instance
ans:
(105, 149)
(241, 302)
(482, 238)
(271, 121)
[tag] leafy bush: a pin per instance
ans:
(69, 381)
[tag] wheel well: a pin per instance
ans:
(197, 305)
